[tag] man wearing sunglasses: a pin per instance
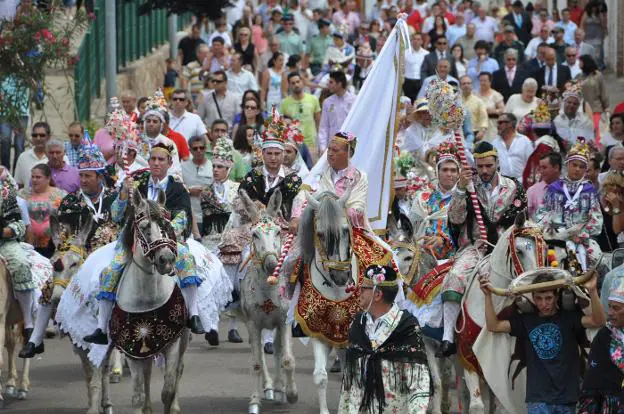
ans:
(430, 62)
(36, 155)
(74, 145)
(197, 174)
(221, 103)
(180, 120)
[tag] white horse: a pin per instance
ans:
(68, 258)
(325, 244)
(263, 307)
(145, 289)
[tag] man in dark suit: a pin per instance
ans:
(552, 73)
(431, 60)
(535, 64)
(521, 22)
(508, 80)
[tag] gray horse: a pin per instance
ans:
(264, 307)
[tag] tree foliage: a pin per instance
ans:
(213, 9)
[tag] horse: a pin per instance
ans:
(263, 307)
(149, 317)
(324, 307)
(68, 258)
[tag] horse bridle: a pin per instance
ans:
(414, 265)
(149, 248)
(540, 247)
(265, 225)
(338, 265)
(80, 251)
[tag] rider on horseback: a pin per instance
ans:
(13, 230)
(150, 183)
(500, 199)
(571, 207)
(430, 207)
(93, 200)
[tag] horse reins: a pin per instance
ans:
(148, 248)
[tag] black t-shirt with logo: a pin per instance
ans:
(552, 355)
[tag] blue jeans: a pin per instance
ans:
(19, 139)
(543, 408)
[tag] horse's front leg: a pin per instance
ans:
(24, 384)
(435, 365)
(257, 361)
(172, 360)
(147, 365)
(89, 371)
(278, 378)
(288, 361)
(321, 356)
(184, 341)
(12, 338)
(106, 403)
(473, 383)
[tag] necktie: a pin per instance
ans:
(518, 20)
(550, 76)
(510, 76)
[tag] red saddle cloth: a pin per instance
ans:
(428, 287)
(327, 319)
(143, 335)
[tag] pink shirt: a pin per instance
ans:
(535, 197)
(106, 143)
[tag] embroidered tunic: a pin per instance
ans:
(216, 204)
(568, 204)
(429, 214)
(257, 187)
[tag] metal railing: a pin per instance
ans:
(137, 36)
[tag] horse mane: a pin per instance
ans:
(500, 258)
(329, 215)
(156, 214)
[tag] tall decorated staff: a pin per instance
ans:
(447, 113)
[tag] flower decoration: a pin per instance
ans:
(445, 105)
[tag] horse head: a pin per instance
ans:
(403, 244)
(266, 242)
(151, 233)
(325, 235)
(69, 255)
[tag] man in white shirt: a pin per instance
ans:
(513, 149)
(616, 163)
(181, 121)
(436, 11)
(40, 135)
(413, 62)
(222, 31)
(443, 69)
(573, 123)
(572, 62)
(239, 79)
(582, 47)
(569, 27)
(221, 104)
(544, 37)
(456, 30)
(420, 131)
(197, 174)
(486, 26)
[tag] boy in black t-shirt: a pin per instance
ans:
(552, 354)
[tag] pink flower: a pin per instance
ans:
(517, 203)
(617, 354)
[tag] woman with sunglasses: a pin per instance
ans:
(246, 48)
(251, 115)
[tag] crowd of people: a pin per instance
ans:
(257, 96)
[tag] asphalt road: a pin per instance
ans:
(216, 380)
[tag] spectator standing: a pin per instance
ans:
(542, 21)
(572, 62)
(187, 47)
(429, 23)
(291, 43)
(181, 121)
(486, 26)
(246, 48)
(561, 329)
(576, 12)
(615, 136)
(468, 41)
(240, 79)
(222, 103)
(521, 104)
(559, 45)
(169, 83)
(431, 60)
(413, 62)
(476, 107)
(43, 200)
(303, 107)
(222, 32)
(508, 42)
(272, 91)
(585, 48)
(534, 65)
(12, 91)
(335, 109)
(439, 30)
(594, 90)
(494, 104)
(550, 166)
(193, 73)
(64, 175)
(456, 30)
(514, 149)
(197, 174)
(544, 36)
(177, 138)
(274, 47)
(508, 80)
(461, 64)
(259, 37)
(317, 47)
(594, 26)
(520, 21)
(40, 135)
(480, 63)
(251, 115)
(362, 36)
(568, 26)
(442, 72)
(552, 73)
(219, 56)
(75, 133)
(129, 104)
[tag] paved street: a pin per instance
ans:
(216, 380)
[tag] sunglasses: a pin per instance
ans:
(572, 55)
(218, 80)
(201, 148)
(178, 99)
(37, 135)
(73, 135)
(300, 108)
(251, 107)
(503, 121)
(441, 43)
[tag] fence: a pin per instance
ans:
(136, 37)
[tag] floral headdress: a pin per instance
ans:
(222, 153)
(579, 151)
(116, 116)
(346, 138)
(90, 158)
(573, 91)
(275, 131)
(377, 275)
(293, 134)
(156, 105)
(445, 105)
(447, 152)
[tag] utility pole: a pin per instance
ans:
(173, 30)
(110, 33)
